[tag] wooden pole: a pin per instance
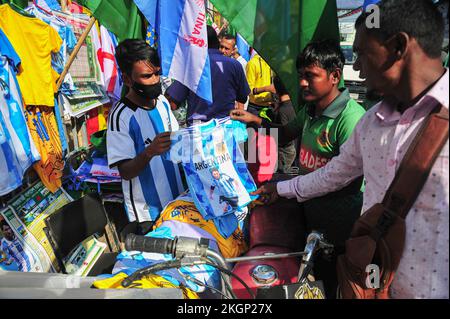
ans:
(64, 5)
(75, 52)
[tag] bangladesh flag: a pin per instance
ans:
(279, 30)
(121, 17)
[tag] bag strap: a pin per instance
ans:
(414, 169)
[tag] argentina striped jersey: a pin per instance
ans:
(131, 129)
(17, 150)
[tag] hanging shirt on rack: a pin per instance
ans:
(64, 30)
(33, 41)
(17, 151)
(44, 131)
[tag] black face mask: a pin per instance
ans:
(147, 91)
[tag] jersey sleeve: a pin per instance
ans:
(295, 127)
(7, 50)
(119, 144)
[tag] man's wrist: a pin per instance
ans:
(255, 91)
(148, 154)
(257, 120)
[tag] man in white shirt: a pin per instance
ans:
(138, 134)
(401, 60)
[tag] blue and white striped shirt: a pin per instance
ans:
(131, 129)
(17, 150)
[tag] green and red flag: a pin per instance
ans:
(121, 17)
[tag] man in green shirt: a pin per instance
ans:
(323, 125)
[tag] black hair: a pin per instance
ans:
(279, 86)
(214, 169)
(130, 51)
(326, 54)
(228, 36)
(222, 33)
(420, 19)
(213, 40)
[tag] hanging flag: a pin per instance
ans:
(279, 30)
(120, 17)
(109, 66)
(20, 3)
(243, 47)
(183, 47)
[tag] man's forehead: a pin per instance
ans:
(312, 68)
(363, 38)
(145, 67)
(229, 42)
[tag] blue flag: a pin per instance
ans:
(182, 41)
(243, 47)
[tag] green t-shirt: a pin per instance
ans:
(322, 136)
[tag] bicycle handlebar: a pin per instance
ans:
(150, 244)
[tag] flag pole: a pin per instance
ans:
(75, 52)
(64, 5)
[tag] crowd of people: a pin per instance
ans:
(347, 156)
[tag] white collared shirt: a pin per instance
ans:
(375, 150)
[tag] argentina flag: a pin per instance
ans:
(182, 38)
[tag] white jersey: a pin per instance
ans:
(131, 129)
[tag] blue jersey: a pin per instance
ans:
(131, 129)
(15, 251)
(216, 172)
(17, 150)
(225, 185)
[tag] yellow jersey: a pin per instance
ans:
(259, 74)
(34, 41)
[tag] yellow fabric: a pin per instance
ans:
(33, 40)
(103, 111)
(186, 212)
(148, 282)
(50, 167)
(259, 75)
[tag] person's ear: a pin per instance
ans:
(336, 76)
(398, 45)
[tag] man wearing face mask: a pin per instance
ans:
(138, 133)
